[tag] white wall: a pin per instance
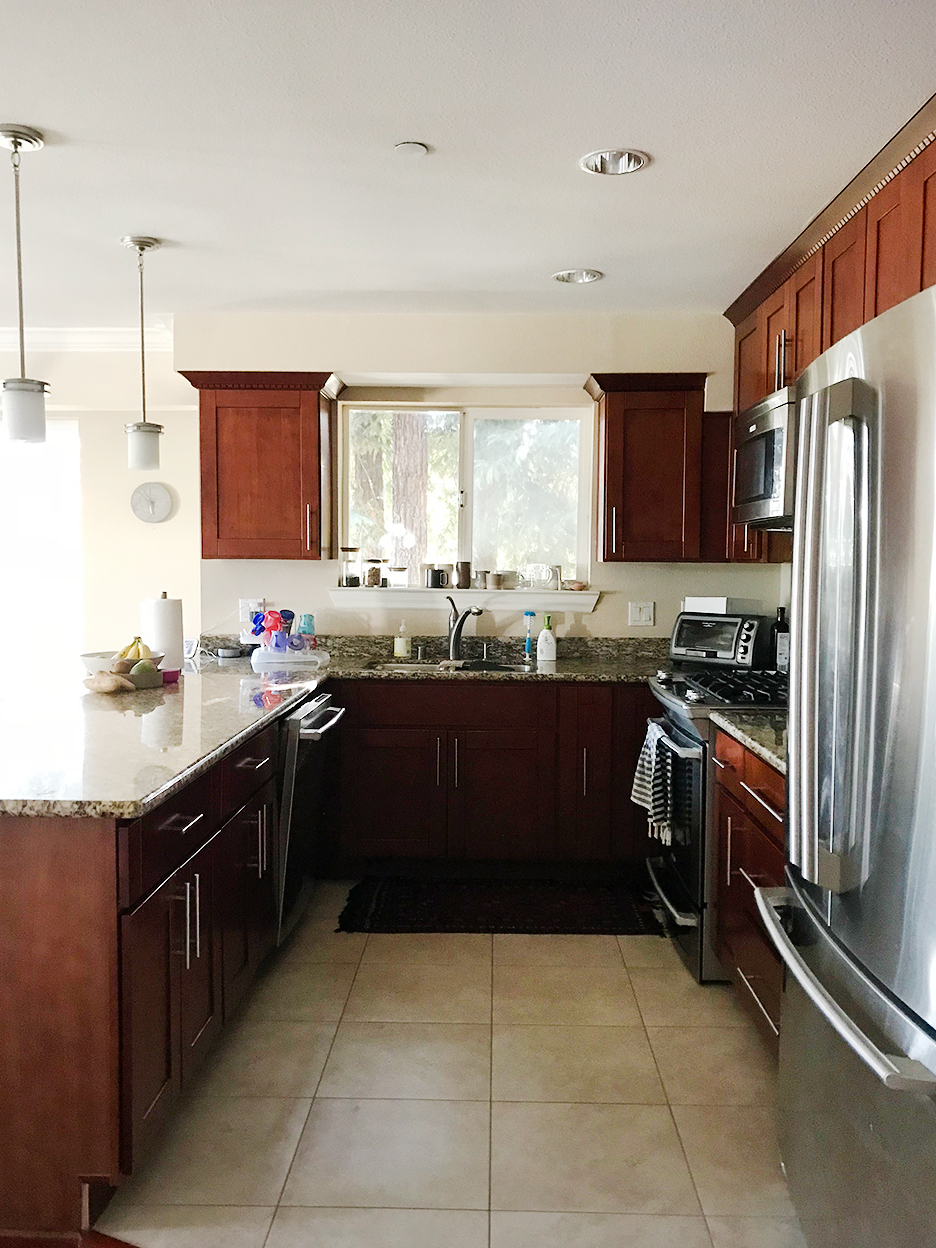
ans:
(481, 343)
(304, 587)
(123, 559)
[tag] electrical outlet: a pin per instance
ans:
(248, 607)
(641, 612)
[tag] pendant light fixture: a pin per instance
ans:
(142, 435)
(23, 398)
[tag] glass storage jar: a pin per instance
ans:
(350, 575)
(372, 573)
(398, 578)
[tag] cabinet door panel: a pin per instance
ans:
(894, 247)
(264, 902)
(775, 316)
(261, 477)
(843, 280)
(502, 794)
(922, 172)
(393, 792)
(750, 380)
(660, 500)
(585, 719)
(804, 316)
(716, 482)
(730, 919)
(150, 957)
(237, 866)
(200, 979)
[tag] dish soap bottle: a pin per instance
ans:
(546, 643)
(780, 636)
(402, 643)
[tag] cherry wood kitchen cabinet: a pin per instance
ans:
(922, 171)
(749, 804)
(650, 465)
(843, 280)
(247, 902)
(267, 472)
(586, 759)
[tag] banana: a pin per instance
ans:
(133, 650)
(145, 651)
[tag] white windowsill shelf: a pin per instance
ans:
(504, 600)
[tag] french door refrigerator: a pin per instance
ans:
(856, 924)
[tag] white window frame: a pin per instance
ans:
(467, 415)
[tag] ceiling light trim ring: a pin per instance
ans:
(578, 277)
(614, 161)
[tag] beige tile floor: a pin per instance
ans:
(471, 1092)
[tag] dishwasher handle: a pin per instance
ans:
(318, 731)
(902, 1074)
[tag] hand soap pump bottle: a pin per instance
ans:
(546, 643)
(402, 643)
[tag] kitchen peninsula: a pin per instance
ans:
(138, 898)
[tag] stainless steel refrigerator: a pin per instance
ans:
(856, 924)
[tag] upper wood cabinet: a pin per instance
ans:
(650, 466)
(775, 343)
(843, 279)
(266, 465)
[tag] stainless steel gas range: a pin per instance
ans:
(681, 870)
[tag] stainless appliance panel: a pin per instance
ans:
(858, 1154)
(882, 757)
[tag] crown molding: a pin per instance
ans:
(87, 338)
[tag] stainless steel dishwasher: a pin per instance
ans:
(302, 806)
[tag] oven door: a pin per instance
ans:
(764, 463)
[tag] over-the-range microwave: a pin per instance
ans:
(765, 462)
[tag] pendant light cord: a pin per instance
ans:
(15, 161)
(139, 252)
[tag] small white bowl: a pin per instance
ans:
(101, 660)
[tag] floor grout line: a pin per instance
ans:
(318, 1084)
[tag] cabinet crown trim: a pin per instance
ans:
(616, 383)
(256, 381)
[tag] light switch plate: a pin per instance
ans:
(641, 613)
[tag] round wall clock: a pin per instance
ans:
(151, 502)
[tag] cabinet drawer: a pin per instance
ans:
(729, 763)
(459, 704)
(156, 845)
(251, 766)
(765, 795)
(759, 863)
(759, 977)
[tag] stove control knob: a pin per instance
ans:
(693, 695)
(664, 677)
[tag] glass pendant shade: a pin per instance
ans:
(24, 409)
(143, 444)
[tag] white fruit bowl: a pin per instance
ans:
(101, 660)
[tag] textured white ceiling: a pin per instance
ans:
(258, 140)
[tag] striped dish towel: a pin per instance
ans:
(652, 783)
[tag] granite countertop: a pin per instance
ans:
(600, 671)
(69, 752)
(764, 735)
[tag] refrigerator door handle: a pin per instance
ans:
(902, 1074)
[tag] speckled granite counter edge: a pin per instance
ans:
(63, 808)
(740, 727)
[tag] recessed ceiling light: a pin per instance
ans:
(410, 148)
(614, 161)
(578, 275)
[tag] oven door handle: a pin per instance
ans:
(680, 917)
(681, 751)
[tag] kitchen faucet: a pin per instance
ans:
(456, 625)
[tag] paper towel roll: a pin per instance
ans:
(161, 629)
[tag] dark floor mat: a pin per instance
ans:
(539, 907)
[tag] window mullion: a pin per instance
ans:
(465, 484)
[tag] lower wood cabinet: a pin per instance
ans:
(170, 995)
(489, 772)
(247, 902)
(748, 857)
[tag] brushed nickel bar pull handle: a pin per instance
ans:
(766, 805)
(745, 538)
(438, 762)
(456, 762)
(776, 363)
(760, 1005)
(613, 530)
(173, 819)
(197, 915)
(253, 763)
(719, 763)
(584, 771)
(728, 872)
(753, 883)
(259, 844)
(782, 359)
(266, 836)
(188, 925)
(308, 526)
